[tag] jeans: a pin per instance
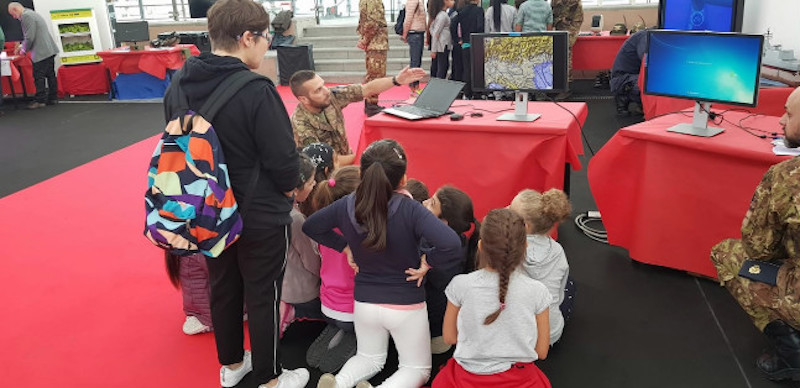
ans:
(45, 69)
(416, 41)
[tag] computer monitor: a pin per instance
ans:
(705, 67)
(701, 15)
(199, 8)
(132, 32)
(521, 62)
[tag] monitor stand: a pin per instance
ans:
(699, 125)
(520, 110)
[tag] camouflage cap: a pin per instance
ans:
(619, 29)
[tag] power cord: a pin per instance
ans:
(583, 220)
(580, 126)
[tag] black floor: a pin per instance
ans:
(634, 325)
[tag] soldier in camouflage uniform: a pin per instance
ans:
(318, 117)
(568, 16)
(771, 233)
(375, 43)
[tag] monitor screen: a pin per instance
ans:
(132, 32)
(701, 15)
(529, 61)
(199, 8)
(704, 66)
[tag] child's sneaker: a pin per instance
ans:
(295, 378)
(363, 384)
(327, 381)
(230, 377)
(193, 326)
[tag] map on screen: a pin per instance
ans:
(523, 62)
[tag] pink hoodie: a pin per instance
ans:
(338, 281)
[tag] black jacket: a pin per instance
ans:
(253, 128)
(470, 18)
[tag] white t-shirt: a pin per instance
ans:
(491, 349)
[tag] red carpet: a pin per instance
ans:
(85, 297)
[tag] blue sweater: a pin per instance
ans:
(381, 277)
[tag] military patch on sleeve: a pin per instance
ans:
(760, 271)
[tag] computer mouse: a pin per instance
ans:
(456, 116)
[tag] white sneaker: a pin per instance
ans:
(327, 381)
(193, 326)
(230, 377)
(363, 384)
(295, 378)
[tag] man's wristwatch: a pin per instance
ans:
(394, 81)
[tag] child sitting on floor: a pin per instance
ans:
(545, 260)
(496, 316)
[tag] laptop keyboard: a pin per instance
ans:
(417, 111)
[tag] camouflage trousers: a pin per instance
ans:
(763, 302)
(376, 68)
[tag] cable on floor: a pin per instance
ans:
(583, 220)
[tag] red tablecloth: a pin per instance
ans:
(78, 80)
(490, 160)
(20, 65)
(668, 198)
(151, 61)
(596, 52)
(771, 102)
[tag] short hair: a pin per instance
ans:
(297, 80)
(418, 190)
(229, 19)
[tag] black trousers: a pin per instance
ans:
(441, 64)
(466, 66)
(250, 271)
(458, 69)
(45, 70)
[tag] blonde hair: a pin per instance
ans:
(541, 211)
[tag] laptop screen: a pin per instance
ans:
(439, 94)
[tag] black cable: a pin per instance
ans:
(580, 126)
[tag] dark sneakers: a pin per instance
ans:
(784, 362)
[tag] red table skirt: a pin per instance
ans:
(153, 61)
(668, 198)
(24, 67)
(78, 80)
(490, 160)
(596, 52)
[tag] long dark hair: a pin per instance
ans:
(383, 165)
(173, 264)
(434, 7)
(458, 211)
(343, 181)
(503, 249)
(497, 8)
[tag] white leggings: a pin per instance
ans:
(411, 334)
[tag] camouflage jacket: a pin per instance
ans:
(327, 126)
(771, 227)
(567, 15)
(372, 25)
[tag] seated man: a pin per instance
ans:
(625, 73)
(771, 238)
(318, 117)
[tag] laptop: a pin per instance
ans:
(434, 100)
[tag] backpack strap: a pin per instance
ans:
(221, 95)
(225, 91)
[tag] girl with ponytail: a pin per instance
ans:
(381, 231)
(496, 316)
(545, 260)
(454, 208)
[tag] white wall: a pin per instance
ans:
(99, 9)
(780, 16)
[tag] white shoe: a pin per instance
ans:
(193, 326)
(230, 377)
(327, 381)
(295, 378)
(363, 384)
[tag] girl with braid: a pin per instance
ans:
(496, 316)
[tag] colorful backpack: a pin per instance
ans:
(189, 203)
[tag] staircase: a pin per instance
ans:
(337, 60)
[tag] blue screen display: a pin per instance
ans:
(704, 66)
(699, 15)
